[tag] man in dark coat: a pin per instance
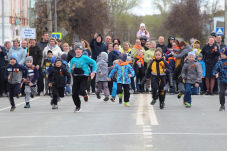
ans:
(44, 41)
(161, 44)
(37, 53)
(2, 68)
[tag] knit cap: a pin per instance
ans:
(85, 53)
(13, 56)
(195, 51)
(191, 53)
(224, 51)
(64, 56)
(104, 55)
(78, 45)
(57, 59)
(123, 57)
(200, 55)
(142, 24)
(29, 58)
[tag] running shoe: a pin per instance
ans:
(127, 104)
(106, 98)
(55, 107)
(32, 96)
(153, 102)
(179, 95)
(19, 95)
(120, 100)
(86, 97)
(112, 99)
(98, 95)
(27, 106)
(188, 105)
(13, 108)
(161, 105)
(222, 108)
(77, 109)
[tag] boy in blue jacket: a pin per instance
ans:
(220, 70)
(79, 68)
(200, 60)
(124, 73)
(14, 73)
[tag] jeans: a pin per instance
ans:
(188, 91)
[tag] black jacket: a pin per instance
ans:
(177, 73)
(42, 44)
(164, 48)
(137, 69)
(71, 54)
(37, 53)
(57, 76)
(111, 57)
(222, 45)
(97, 48)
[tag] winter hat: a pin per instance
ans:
(49, 51)
(191, 53)
(64, 56)
(171, 38)
(29, 58)
(13, 56)
(53, 59)
(142, 24)
(104, 55)
(224, 51)
(143, 38)
(195, 51)
(85, 53)
(99, 35)
(78, 45)
(57, 59)
(123, 57)
(200, 55)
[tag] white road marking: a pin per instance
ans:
(147, 133)
(149, 145)
(146, 126)
(139, 120)
(19, 104)
(146, 129)
(152, 114)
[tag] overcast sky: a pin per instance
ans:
(146, 8)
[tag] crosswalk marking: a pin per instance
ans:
(140, 112)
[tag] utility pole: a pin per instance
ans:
(55, 16)
(49, 18)
(30, 12)
(225, 22)
(3, 22)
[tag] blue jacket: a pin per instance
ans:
(111, 57)
(122, 73)
(20, 54)
(81, 66)
(2, 55)
(221, 68)
(203, 67)
(97, 48)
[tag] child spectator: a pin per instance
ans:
(31, 81)
(124, 74)
(13, 73)
(140, 68)
(220, 70)
(46, 65)
(102, 76)
(56, 80)
(201, 85)
(157, 71)
(79, 66)
(196, 54)
(192, 76)
(143, 32)
(196, 45)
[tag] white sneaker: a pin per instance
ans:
(41, 94)
(102, 93)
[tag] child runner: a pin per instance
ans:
(46, 65)
(56, 80)
(157, 71)
(31, 82)
(192, 76)
(102, 76)
(79, 67)
(13, 73)
(220, 70)
(201, 85)
(124, 74)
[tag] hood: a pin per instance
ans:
(193, 47)
(98, 59)
(14, 48)
(41, 41)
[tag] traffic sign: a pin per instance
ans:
(220, 31)
(57, 35)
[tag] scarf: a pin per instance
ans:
(52, 47)
(118, 52)
(138, 48)
(140, 60)
(122, 64)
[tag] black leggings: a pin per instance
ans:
(57, 91)
(126, 88)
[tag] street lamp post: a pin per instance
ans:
(3, 22)
(55, 16)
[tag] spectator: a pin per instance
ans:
(24, 45)
(18, 51)
(86, 47)
(143, 32)
(66, 48)
(7, 45)
(44, 41)
(219, 42)
(2, 68)
(161, 44)
(59, 44)
(107, 41)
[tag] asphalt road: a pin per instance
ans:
(108, 126)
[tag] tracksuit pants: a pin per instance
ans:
(223, 87)
(13, 90)
(126, 88)
(103, 84)
(28, 91)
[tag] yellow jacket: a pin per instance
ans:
(199, 50)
